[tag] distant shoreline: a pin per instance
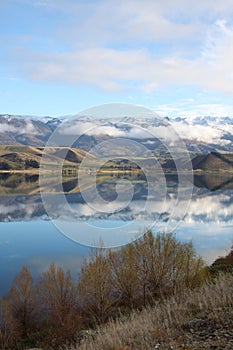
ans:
(172, 172)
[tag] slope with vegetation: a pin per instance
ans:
(21, 158)
(190, 319)
(200, 319)
(53, 311)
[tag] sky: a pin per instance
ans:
(58, 57)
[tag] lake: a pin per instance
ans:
(44, 225)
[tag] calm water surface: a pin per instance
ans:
(28, 236)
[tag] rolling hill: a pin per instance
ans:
(23, 158)
(213, 162)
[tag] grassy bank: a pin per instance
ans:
(197, 319)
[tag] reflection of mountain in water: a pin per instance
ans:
(28, 184)
(12, 184)
(214, 182)
(212, 199)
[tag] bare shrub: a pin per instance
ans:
(57, 294)
(9, 331)
(125, 279)
(137, 275)
(166, 265)
(95, 288)
(22, 303)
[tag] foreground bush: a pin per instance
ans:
(57, 296)
(95, 289)
(137, 275)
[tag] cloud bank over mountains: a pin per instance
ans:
(215, 131)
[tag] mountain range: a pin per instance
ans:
(201, 135)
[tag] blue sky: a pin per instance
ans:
(58, 57)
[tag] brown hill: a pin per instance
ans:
(213, 162)
(18, 157)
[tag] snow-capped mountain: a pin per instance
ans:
(26, 130)
(201, 134)
(215, 132)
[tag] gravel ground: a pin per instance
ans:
(211, 331)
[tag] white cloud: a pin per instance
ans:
(180, 43)
(29, 128)
(192, 108)
(141, 21)
(132, 131)
(24, 128)
(115, 69)
(7, 128)
(88, 128)
(202, 129)
(201, 133)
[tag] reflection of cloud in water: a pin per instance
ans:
(40, 264)
(209, 207)
(208, 224)
(18, 211)
(210, 239)
(217, 208)
(15, 256)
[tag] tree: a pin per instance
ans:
(22, 302)
(95, 288)
(58, 297)
(125, 279)
(31, 163)
(4, 166)
(188, 270)
(166, 265)
(153, 263)
(9, 331)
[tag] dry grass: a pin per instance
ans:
(161, 326)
